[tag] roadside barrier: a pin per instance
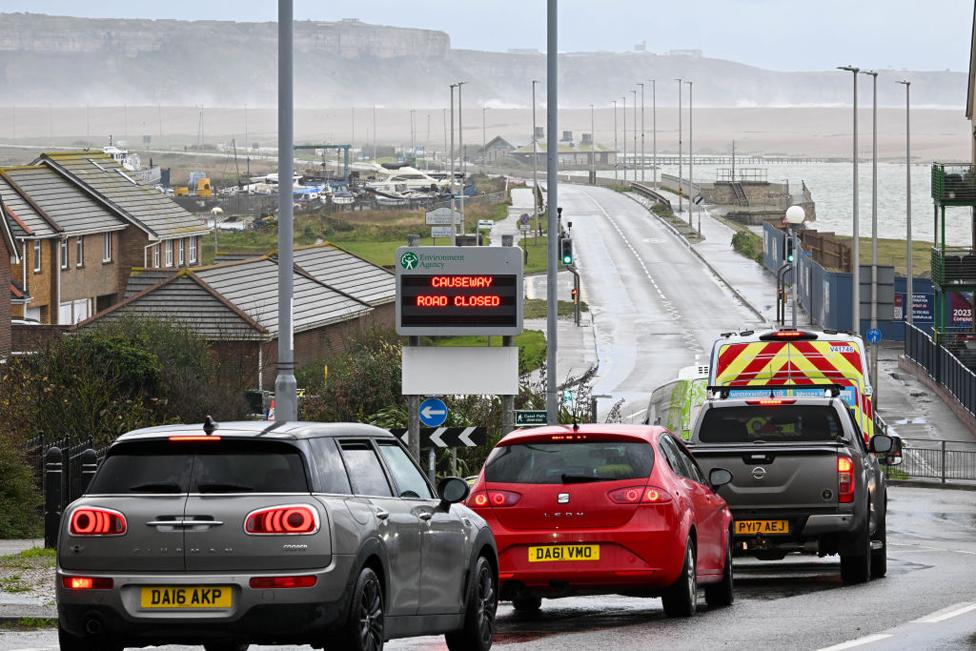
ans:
(944, 460)
(942, 367)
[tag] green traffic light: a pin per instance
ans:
(567, 259)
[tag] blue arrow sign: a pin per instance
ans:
(433, 412)
(873, 335)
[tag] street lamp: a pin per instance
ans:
(691, 159)
(641, 84)
(654, 126)
(909, 303)
(623, 124)
(874, 232)
(679, 146)
(795, 215)
(856, 236)
(451, 153)
(616, 149)
(464, 228)
(634, 91)
(535, 161)
(593, 144)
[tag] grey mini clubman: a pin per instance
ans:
(249, 532)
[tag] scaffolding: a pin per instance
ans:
(953, 267)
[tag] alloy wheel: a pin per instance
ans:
(371, 616)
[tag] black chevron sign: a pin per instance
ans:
(446, 437)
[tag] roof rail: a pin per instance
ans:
(724, 390)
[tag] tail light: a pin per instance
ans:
(96, 521)
(290, 520)
(87, 582)
(845, 480)
(192, 438)
(770, 402)
(270, 582)
(484, 499)
(639, 495)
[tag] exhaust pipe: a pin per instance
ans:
(93, 626)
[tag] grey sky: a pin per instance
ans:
(778, 34)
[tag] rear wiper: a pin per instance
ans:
(155, 488)
(580, 479)
(224, 488)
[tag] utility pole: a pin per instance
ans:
(484, 138)
(464, 227)
(856, 235)
(623, 124)
(593, 143)
(616, 148)
(286, 388)
(552, 296)
(654, 125)
(413, 136)
(641, 84)
(444, 115)
(453, 86)
(535, 162)
(909, 303)
(427, 144)
(634, 91)
(374, 132)
(679, 146)
(874, 234)
(692, 208)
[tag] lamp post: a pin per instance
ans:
(794, 217)
(874, 231)
(909, 304)
(623, 126)
(856, 235)
(451, 154)
(679, 146)
(691, 158)
(535, 161)
(593, 143)
(464, 228)
(634, 91)
(552, 176)
(484, 137)
(615, 147)
(654, 126)
(641, 84)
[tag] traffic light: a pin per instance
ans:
(566, 251)
(789, 250)
(574, 295)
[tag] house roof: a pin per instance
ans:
(51, 204)
(347, 273)
(564, 148)
(239, 300)
(500, 142)
(21, 217)
(143, 206)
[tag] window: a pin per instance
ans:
(674, 458)
(37, 256)
(327, 470)
(365, 470)
(156, 256)
(408, 479)
(79, 251)
(774, 424)
(107, 247)
(169, 253)
(563, 463)
(193, 250)
(179, 246)
(64, 254)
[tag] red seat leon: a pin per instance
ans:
(602, 508)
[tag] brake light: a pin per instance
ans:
(96, 521)
(770, 402)
(639, 495)
(787, 335)
(845, 480)
(483, 499)
(290, 520)
(271, 582)
(87, 582)
(192, 438)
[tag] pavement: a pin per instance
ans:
(927, 601)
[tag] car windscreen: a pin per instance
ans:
(570, 462)
(772, 424)
(221, 466)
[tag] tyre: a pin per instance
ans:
(855, 567)
(879, 557)
(479, 611)
(226, 646)
(363, 629)
(69, 642)
(681, 599)
(527, 604)
(718, 595)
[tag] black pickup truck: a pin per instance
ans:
(804, 479)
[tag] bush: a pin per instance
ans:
(19, 500)
(748, 244)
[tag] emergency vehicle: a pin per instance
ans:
(755, 363)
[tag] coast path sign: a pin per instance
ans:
(443, 217)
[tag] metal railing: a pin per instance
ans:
(954, 184)
(650, 193)
(955, 266)
(942, 367)
(936, 459)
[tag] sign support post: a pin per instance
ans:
(413, 417)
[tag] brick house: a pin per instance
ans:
(8, 255)
(234, 305)
(80, 223)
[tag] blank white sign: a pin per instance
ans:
(448, 370)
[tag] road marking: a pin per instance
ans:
(861, 641)
(946, 613)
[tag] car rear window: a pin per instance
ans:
(572, 462)
(218, 467)
(778, 424)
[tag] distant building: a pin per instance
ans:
(695, 54)
(497, 148)
(8, 252)
(235, 306)
(570, 156)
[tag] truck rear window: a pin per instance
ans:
(779, 424)
(220, 467)
(566, 463)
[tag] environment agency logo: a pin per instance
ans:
(409, 260)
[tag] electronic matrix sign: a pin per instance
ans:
(447, 291)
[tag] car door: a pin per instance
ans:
(398, 523)
(442, 535)
(699, 498)
(710, 514)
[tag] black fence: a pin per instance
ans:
(946, 461)
(942, 366)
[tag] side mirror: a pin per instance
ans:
(894, 456)
(452, 490)
(718, 477)
(881, 444)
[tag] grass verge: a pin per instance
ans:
(894, 252)
(535, 260)
(28, 624)
(535, 308)
(531, 345)
(35, 557)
